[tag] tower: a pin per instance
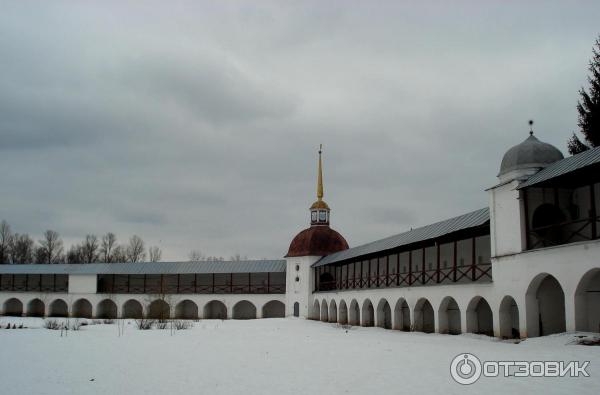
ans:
(307, 248)
(507, 215)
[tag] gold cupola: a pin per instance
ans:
(319, 211)
(319, 239)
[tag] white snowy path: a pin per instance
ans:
(269, 356)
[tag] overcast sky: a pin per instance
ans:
(196, 126)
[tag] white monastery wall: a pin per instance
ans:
(82, 283)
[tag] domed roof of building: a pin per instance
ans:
(318, 240)
(531, 153)
(319, 204)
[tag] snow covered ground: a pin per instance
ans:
(268, 356)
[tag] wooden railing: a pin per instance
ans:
(193, 287)
(563, 233)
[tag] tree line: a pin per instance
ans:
(588, 108)
(18, 248)
(199, 256)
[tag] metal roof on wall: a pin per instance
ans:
(255, 266)
(438, 229)
(564, 166)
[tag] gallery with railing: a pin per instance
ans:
(562, 211)
(204, 283)
(452, 259)
(34, 282)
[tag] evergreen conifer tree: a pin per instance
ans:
(589, 109)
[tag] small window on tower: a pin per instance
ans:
(314, 216)
(297, 268)
(322, 216)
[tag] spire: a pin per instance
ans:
(320, 176)
(531, 127)
(319, 211)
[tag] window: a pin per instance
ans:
(136, 283)
(404, 260)
(6, 282)
(393, 264)
(430, 256)
(62, 282)
(297, 268)
(47, 282)
(121, 283)
(153, 283)
(204, 283)
(464, 251)
(222, 282)
(20, 282)
(259, 282)
(187, 283)
(383, 264)
(240, 282)
(446, 254)
(482, 248)
(277, 283)
(104, 283)
(322, 216)
(33, 282)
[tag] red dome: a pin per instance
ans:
(317, 241)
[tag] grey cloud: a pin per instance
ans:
(138, 217)
(390, 215)
(208, 88)
(196, 126)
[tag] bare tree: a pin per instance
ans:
(52, 247)
(237, 257)
(22, 249)
(136, 249)
(119, 254)
(75, 254)
(5, 242)
(90, 249)
(196, 256)
(154, 254)
(39, 255)
(109, 243)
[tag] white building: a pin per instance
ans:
(527, 265)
